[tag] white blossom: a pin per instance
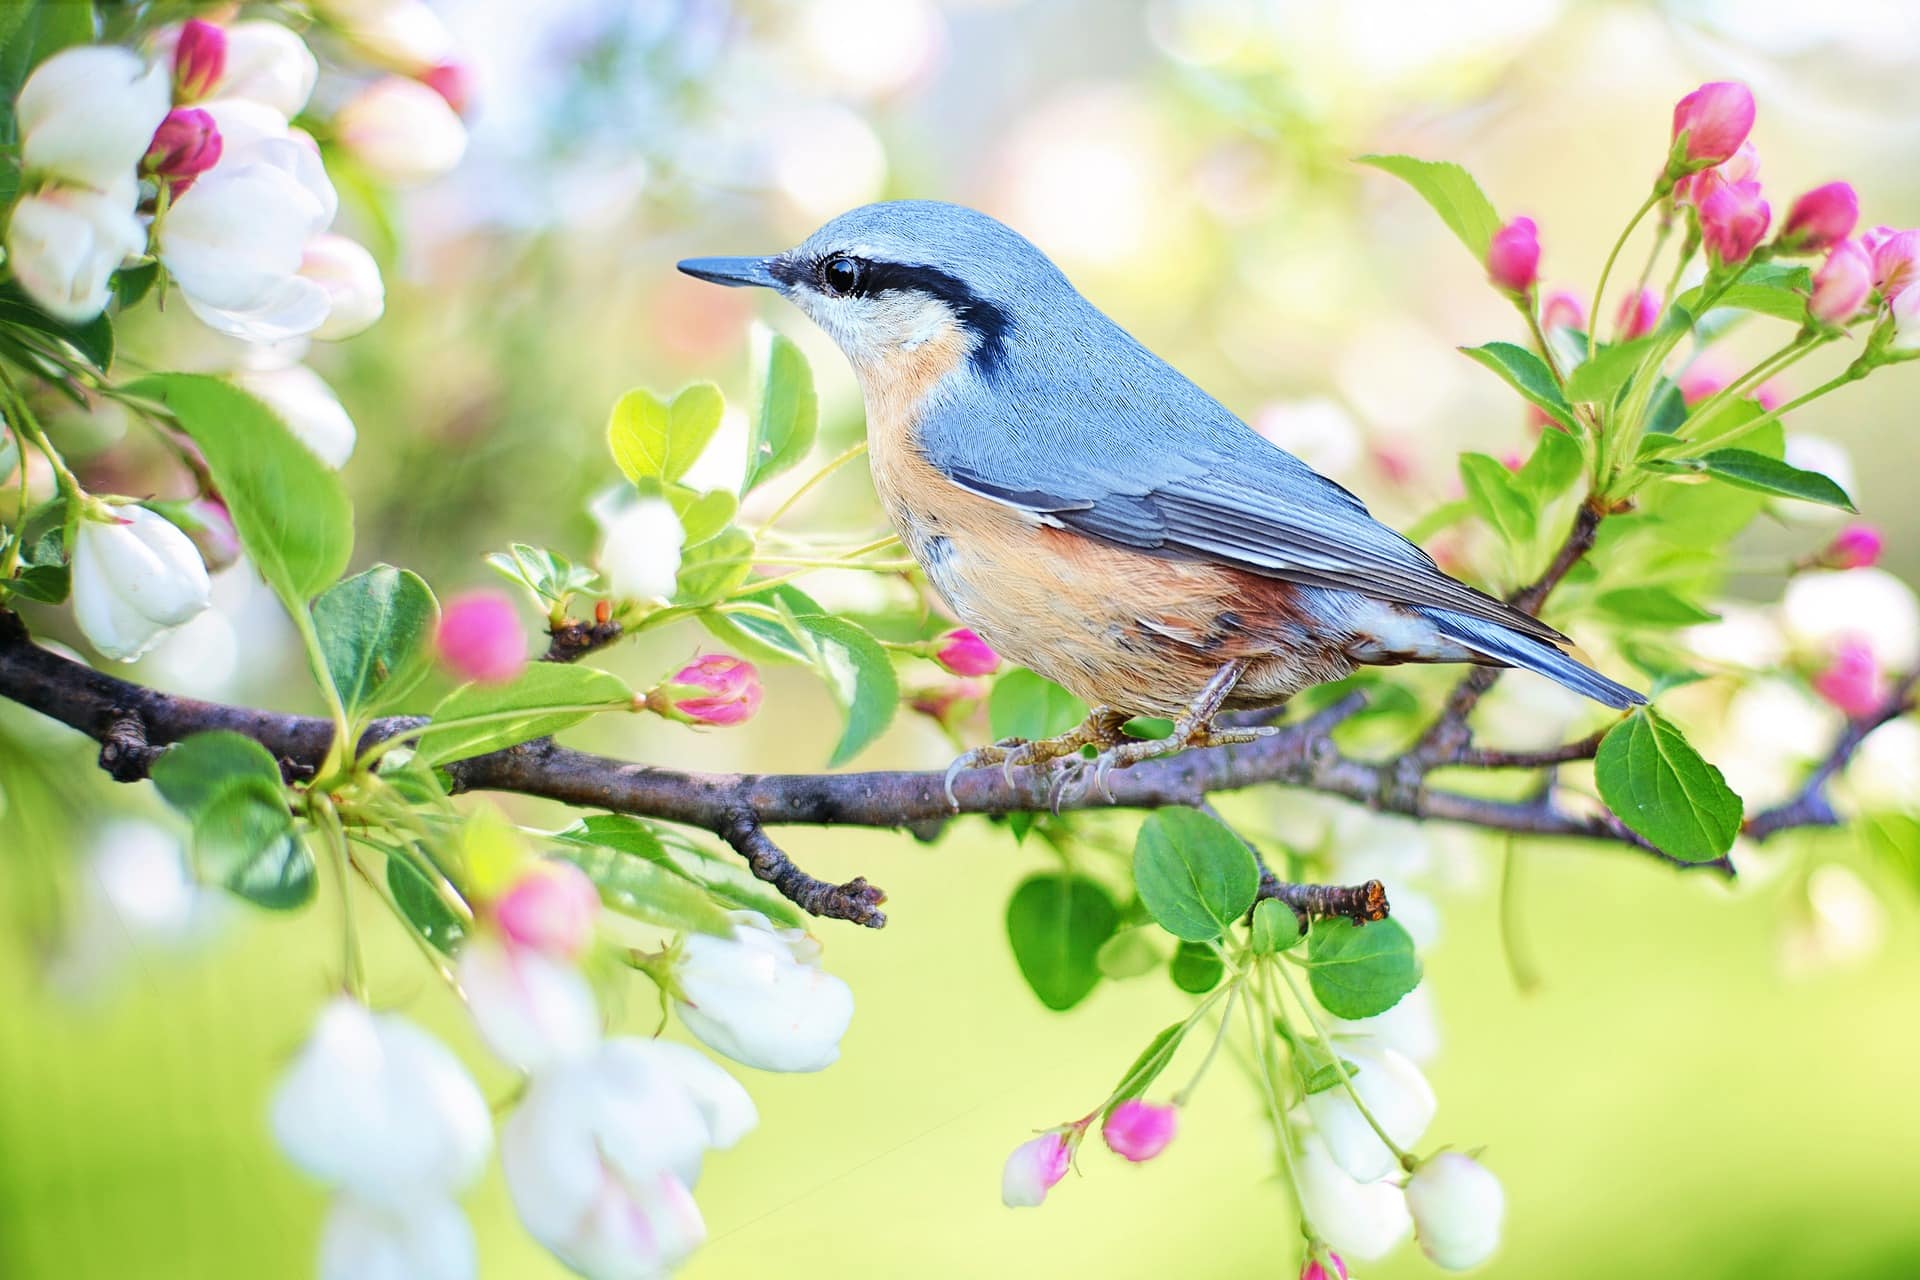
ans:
(640, 547)
(302, 399)
(1457, 1206)
(532, 1010)
(1364, 1221)
(1395, 1093)
(1411, 1027)
(86, 115)
(135, 576)
(401, 131)
(761, 997)
(406, 35)
(356, 296)
(364, 1240)
(1821, 609)
(64, 244)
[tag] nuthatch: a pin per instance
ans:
(1097, 517)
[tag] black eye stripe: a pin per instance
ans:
(987, 320)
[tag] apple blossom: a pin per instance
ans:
(1715, 119)
(376, 1106)
(135, 577)
(549, 907)
(640, 551)
(1513, 256)
(1035, 1168)
(86, 115)
(1365, 1221)
(199, 59)
(1822, 609)
(401, 131)
(356, 295)
(1820, 219)
(1393, 1091)
(266, 64)
(715, 689)
(1841, 283)
(186, 145)
(1732, 222)
(406, 35)
(64, 244)
(533, 1010)
(364, 1240)
(1457, 1206)
(480, 637)
(1139, 1130)
(1852, 680)
(1637, 313)
(964, 653)
(303, 400)
(761, 997)
(1896, 260)
(208, 522)
(1410, 1028)
(1858, 546)
(1905, 314)
(1562, 311)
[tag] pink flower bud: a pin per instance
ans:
(1858, 546)
(1852, 681)
(1033, 1169)
(1700, 380)
(1513, 257)
(1743, 166)
(199, 60)
(1770, 394)
(550, 908)
(186, 145)
(480, 638)
(208, 523)
(1896, 260)
(452, 81)
(724, 690)
(1716, 118)
(964, 653)
(1732, 221)
(1314, 1270)
(1637, 314)
(1841, 284)
(948, 702)
(1562, 311)
(1140, 1130)
(1820, 219)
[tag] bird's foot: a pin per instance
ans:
(1081, 777)
(1101, 729)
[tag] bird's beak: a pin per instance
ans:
(733, 271)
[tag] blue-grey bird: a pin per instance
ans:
(1097, 517)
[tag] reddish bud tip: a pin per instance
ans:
(453, 81)
(1841, 284)
(964, 653)
(1858, 546)
(1716, 118)
(715, 688)
(1820, 219)
(1513, 256)
(186, 145)
(1140, 1130)
(1335, 1268)
(199, 60)
(1852, 681)
(550, 908)
(1732, 222)
(1638, 312)
(480, 638)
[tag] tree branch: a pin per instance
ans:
(1810, 806)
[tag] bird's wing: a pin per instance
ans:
(1186, 478)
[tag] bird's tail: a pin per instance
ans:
(1510, 648)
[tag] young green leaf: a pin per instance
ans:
(1651, 776)
(1774, 289)
(550, 576)
(788, 416)
(1147, 1067)
(1358, 972)
(1496, 495)
(289, 508)
(1598, 380)
(1527, 374)
(1756, 471)
(1452, 192)
(858, 674)
(1556, 463)
(712, 568)
(1196, 968)
(646, 890)
(1137, 950)
(374, 630)
(544, 699)
(1275, 927)
(1057, 924)
(653, 440)
(723, 879)
(421, 906)
(92, 339)
(758, 625)
(1025, 705)
(229, 786)
(1195, 877)
(1652, 607)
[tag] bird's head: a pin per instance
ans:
(907, 282)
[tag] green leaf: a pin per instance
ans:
(1147, 1067)
(1025, 705)
(1131, 953)
(722, 878)
(1769, 288)
(132, 284)
(788, 415)
(422, 907)
(550, 576)
(858, 674)
(759, 624)
(1694, 511)
(1651, 776)
(374, 629)
(653, 440)
(1653, 607)
(1056, 924)
(291, 511)
(702, 515)
(1275, 927)
(1358, 972)
(1756, 471)
(1528, 374)
(1452, 192)
(194, 772)
(1195, 877)
(1196, 968)
(647, 891)
(1598, 380)
(1496, 495)
(1326, 1075)
(92, 338)
(714, 567)
(230, 787)
(544, 699)
(1556, 463)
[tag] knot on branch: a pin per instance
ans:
(1363, 904)
(125, 753)
(571, 640)
(856, 900)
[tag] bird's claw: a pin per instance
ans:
(1001, 753)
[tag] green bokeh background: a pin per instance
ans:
(1666, 1103)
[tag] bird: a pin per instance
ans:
(1096, 516)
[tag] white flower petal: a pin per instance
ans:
(87, 113)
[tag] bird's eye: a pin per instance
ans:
(842, 275)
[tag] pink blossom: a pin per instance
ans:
(452, 81)
(550, 908)
(1314, 1270)
(964, 653)
(186, 145)
(725, 690)
(1858, 546)
(1841, 284)
(1732, 221)
(480, 638)
(199, 60)
(1034, 1168)
(1716, 118)
(1852, 681)
(1140, 1130)
(1744, 166)
(1700, 380)
(1896, 260)
(1820, 219)
(1513, 256)
(1638, 311)
(1562, 311)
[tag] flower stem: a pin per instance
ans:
(832, 465)
(1852, 373)
(1213, 1050)
(1340, 1069)
(1600, 290)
